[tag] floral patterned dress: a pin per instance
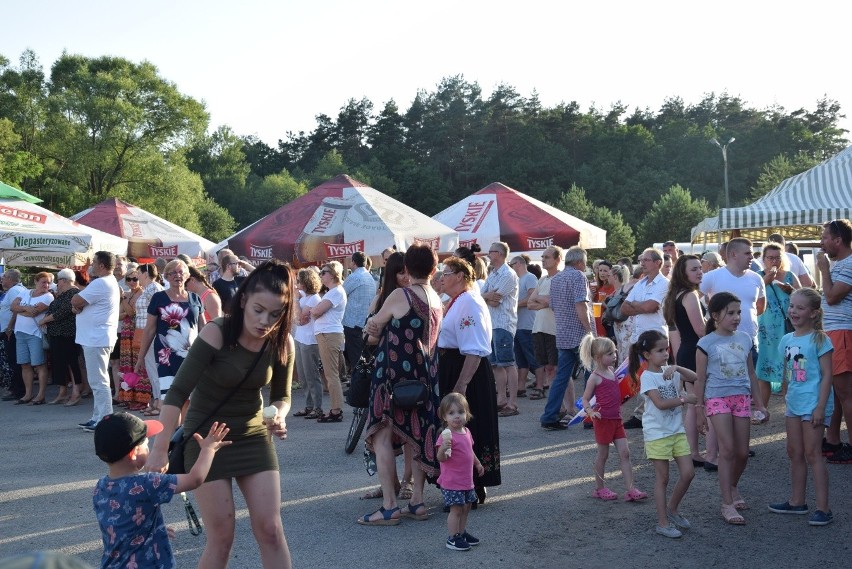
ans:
(408, 350)
(177, 328)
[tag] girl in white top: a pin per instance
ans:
(662, 425)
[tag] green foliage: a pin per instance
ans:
(216, 223)
(672, 217)
(268, 194)
(15, 164)
(220, 161)
(329, 166)
(620, 241)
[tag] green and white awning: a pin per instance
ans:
(805, 202)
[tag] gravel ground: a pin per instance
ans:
(542, 516)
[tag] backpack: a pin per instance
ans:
(612, 308)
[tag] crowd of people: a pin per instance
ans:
(701, 342)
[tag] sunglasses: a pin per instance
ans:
(131, 279)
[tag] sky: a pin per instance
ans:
(268, 67)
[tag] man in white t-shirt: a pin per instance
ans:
(96, 308)
(14, 289)
(796, 265)
(736, 278)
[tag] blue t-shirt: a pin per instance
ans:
(803, 374)
(132, 526)
(727, 364)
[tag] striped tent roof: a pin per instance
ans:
(800, 204)
(811, 198)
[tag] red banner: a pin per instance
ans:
(23, 215)
(434, 243)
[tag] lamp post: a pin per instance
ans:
(724, 148)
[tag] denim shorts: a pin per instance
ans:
(807, 418)
(524, 352)
(502, 348)
(29, 349)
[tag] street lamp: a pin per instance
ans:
(724, 148)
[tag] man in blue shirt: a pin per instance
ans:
(360, 289)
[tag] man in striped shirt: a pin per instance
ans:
(500, 293)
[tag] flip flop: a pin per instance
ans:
(386, 519)
(151, 412)
(508, 412)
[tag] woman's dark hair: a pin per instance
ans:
(602, 263)
(468, 253)
(197, 275)
(679, 283)
(718, 303)
(645, 343)
(272, 276)
(535, 269)
(393, 266)
(420, 261)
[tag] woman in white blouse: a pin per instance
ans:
(465, 342)
(328, 327)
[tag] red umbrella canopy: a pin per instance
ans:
(500, 213)
(278, 234)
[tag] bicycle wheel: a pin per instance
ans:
(359, 419)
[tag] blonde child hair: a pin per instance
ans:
(451, 399)
(591, 348)
(815, 303)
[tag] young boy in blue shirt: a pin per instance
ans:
(127, 500)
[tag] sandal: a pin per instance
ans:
(405, 491)
(740, 504)
(536, 394)
(522, 393)
(604, 494)
(732, 516)
(508, 412)
(303, 412)
(387, 518)
(411, 512)
(151, 412)
(374, 493)
(634, 495)
(315, 414)
(331, 417)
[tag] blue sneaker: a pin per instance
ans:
(472, 541)
(457, 543)
(821, 518)
(86, 426)
(786, 508)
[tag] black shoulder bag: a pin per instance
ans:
(788, 326)
(410, 394)
(178, 442)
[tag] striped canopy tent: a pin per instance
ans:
(800, 205)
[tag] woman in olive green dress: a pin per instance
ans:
(216, 364)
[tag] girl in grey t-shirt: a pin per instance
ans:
(725, 382)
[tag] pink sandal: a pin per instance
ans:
(634, 495)
(604, 494)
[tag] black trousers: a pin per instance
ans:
(65, 354)
(354, 343)
(17, 386)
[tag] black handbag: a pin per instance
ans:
(410, 394)
(612, 308)
(177, 444)
(362, 374)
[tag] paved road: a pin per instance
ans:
(542, 516)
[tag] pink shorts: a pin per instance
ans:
(608, 430)
(736, 405)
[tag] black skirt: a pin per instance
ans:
(481, 395)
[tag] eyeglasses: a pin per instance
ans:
(772, 257)
(233, 264)
(446, 274)
(173, 274)
(494, 251)
(131, 279)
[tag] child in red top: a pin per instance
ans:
(455, 453)
(599, 355)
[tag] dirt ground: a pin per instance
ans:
(542, 516)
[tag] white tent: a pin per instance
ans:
(32, 236)
(800, 204)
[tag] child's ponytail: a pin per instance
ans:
(645, 343)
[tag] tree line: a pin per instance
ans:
(108, 127)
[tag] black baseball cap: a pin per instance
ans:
(117, 434)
